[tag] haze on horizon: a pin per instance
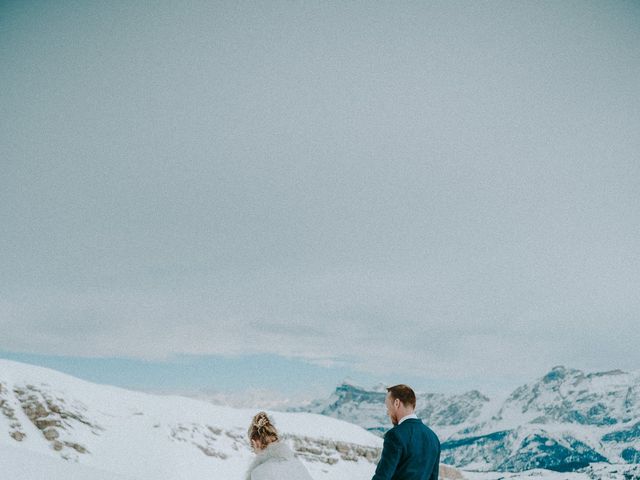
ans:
(447, 189)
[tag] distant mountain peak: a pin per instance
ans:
(617, 371)
(350, 382)
(559, 373)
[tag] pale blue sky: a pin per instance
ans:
(279, 378)
(444, 189)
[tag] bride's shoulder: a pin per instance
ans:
(277, 461)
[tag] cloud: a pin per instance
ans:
(379, 323)
(442, 191)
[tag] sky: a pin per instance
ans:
(278, 195)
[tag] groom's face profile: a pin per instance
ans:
(392, 408)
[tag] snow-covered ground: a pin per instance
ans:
(22, 464)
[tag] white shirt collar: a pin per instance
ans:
(407, 417)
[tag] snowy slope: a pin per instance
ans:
(22, 464)
(55, 420)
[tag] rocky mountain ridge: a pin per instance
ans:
(564, 421)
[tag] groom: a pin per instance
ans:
(411, 451)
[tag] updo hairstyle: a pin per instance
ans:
(262, 430)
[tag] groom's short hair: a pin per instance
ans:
(404, 393)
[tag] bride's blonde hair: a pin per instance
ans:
(262, 430)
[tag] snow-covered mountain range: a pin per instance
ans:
(365, 407)
(565, 421)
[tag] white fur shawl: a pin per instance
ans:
(276, 462)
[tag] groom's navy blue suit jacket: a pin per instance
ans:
(411, 451)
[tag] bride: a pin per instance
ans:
(274, 459)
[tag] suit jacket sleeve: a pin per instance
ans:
(436, 467)
(391, 453)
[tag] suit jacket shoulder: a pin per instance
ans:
(411, 451)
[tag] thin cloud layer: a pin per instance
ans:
(369, 325)
(449, 189)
